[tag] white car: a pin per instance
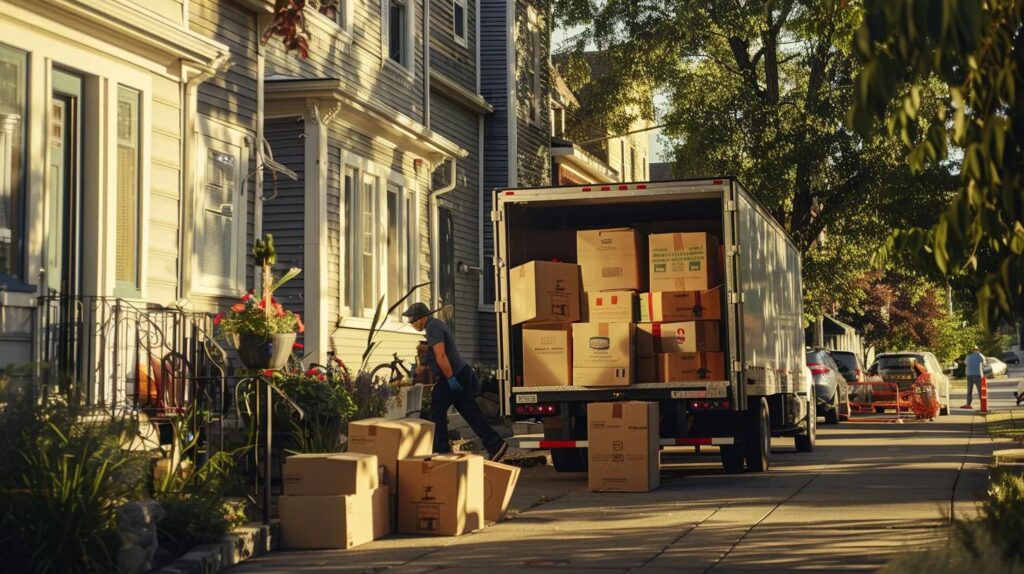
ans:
(998, 367)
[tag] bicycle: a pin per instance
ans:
(396, 370)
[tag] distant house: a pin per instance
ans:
(352, 121)
(128, 152)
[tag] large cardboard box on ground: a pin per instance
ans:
(609, 259)
(623, 449)
(547, 355)
(609, 307)
(330, 521)
(441, 494)
(678, 337)
(677, 367)
(545, 292)
(683, 261)
(383, 513)
(391, 440)
(662, 306)
(330, 473)
(602, 354)
(499, 484)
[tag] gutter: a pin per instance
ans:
(435, 232)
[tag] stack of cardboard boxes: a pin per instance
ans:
(343, 500)
(679, 308)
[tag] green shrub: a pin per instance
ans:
(1003, 514)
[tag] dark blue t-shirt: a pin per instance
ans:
(438, 332)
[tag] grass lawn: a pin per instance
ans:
(1006, 424)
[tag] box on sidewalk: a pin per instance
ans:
(383, 513)
(441, 494)
(663, 306)
(602, 354)
(683, 261)
(623, 446)
(678, 367)
(391, 440)
(327, 521)
(545, 292)
(330, 474)
(547, 354)
(499, 484)
(609, 259)
(609, 307)
(677, 337)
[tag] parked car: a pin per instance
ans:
(999, 368)
(830, 388)
(1011, 358)
(899, 368)
(960, 370)
(852, 368)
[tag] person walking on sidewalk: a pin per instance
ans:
(974, 365)
(457, 384)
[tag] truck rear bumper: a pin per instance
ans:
(691, 441)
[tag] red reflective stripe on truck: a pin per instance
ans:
(700, 441)
(563, 444)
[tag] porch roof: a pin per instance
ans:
(579, 160)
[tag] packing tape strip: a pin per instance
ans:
(617, 411)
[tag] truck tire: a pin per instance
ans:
(832, 414)
(805, 442)
(569, 459)
(757, 445)
(732, 458)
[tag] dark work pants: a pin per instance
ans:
(973, 382)
(465, 402)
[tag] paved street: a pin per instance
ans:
(869, 491)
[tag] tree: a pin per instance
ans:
(761, 89)
(289, 23)
(975, 50)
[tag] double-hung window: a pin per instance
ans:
(460, 22)
(220, 211)
(397, 31)
(13, 76)
(529, 66)
(129, 188)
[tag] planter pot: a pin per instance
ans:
(259, 352)
(407, 404)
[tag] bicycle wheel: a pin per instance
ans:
(383, 369)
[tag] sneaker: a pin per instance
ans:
(499, 454)
(967, 406)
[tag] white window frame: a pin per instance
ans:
(345, 16)
(464, 39)
(353, 302)
(121, 288)
(215, 135)
(533, 29)
(408, 54)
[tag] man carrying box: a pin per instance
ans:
(458, 385)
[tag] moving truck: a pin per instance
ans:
(755, 389)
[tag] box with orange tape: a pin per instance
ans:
(610, 307)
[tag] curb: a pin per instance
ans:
(253, 539)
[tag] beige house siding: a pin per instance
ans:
(165, 191)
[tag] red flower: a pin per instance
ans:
(218, 318)
(246, 297)
(312, 372)
(321, 377)
(263, 303)
(268, 373)
(299, 327)
(238, 307)
(298, 346)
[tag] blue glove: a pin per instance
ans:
(454, 385)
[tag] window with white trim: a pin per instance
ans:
(129, 188)
(529, 67)
(13, 90)
(397, 31)
(460, 21)
(220, 210)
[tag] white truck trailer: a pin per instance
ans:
(762, 394)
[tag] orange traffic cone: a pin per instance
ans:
(983, 393)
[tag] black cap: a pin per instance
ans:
(417, 310)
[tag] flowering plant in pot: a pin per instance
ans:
(260, 328)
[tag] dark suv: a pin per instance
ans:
(830, 388)
(852, 368)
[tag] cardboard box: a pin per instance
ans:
(331, 473)
(383, 513)
(661, 306)
(338, 521)
(609, 307)
(683, 261)
(678, 337)
(609, 259)
(545, 292)
(391, 441)
(623, 453)
(602, 354)
(499, 484)
(547, 355)
(543, 245)
(442, 494)
(678, 367)
(647, 369)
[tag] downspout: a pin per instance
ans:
(190, 113)
(435, 233)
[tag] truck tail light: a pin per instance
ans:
(543, 410)
(710, 405)
(818, 369)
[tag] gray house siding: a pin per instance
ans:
(283, 216)
(447, 56)
(533, 139)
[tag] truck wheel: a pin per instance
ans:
(832, 414)
(732, 458)
(805, 442)
(758, 443)
(569, 459)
